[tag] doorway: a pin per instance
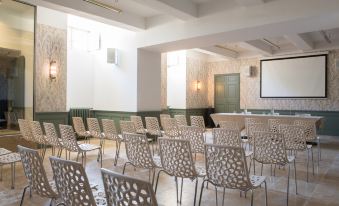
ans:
(227, 93)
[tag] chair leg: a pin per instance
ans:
(196, 190)
(252, 197)
(295, 178)
(78, 156)
(13, 174)
(153, 177)
(223, 197)
(265, 193)
(156, 184)
(117, 146)
(253, 166)
(216, 196)
(288, 182)
(308, 160)
(262, 167)
(0, 172)
(182, 184)
(176, 187)
(312, 161)
(23, 195)
(201, 190)
(123, 170)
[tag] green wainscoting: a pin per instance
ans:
(329, 126)
(52, 117)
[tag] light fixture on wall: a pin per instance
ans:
(53, 67)
(198, 84)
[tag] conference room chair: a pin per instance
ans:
(39, 136)
(80, 128)
(125, 190)
(138, 124)
(72, 184)
(226, 167)
(181, 120)
(52, 138)
(35, 173)
(269, 148)
(110, 133)
(177, 161)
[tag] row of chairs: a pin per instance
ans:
(33, 132)
(73, 187)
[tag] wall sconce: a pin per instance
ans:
(53, 70)
(198, 85)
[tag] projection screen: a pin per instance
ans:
(294, 77)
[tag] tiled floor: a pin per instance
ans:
(322, 189)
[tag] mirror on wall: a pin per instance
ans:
(16, 64)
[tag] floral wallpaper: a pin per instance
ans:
(51, 44)
(250, 87)
(196, 70)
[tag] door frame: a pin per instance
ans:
(228, 74)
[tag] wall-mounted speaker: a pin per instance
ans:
(112, 56)
(249, 71)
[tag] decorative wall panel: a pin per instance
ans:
(250, 87)
(51, 44)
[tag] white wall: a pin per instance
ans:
(149, 81)
(176, 80)
(94, 83)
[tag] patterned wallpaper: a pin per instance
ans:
(51, 44)
(250, 87)
(196, 70)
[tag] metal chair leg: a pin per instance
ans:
(176, 187)
(23, 195)
(265, 193)
(196, 190)
(201, 190)
(216, 196)
(252, 197)
(123, 170)
(156, 184)
(288, 182)
(13, 174)
(262, 167)
(223, 197)
(117, 151)
(312, 160)
(308, 160)
(295, 178)
(182, 184)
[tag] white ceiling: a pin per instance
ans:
(231, 28)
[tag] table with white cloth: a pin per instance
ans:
(240, 118)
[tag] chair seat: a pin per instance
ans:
(84, 134)
(10, 158)
(111, 136)
(257, 180)
(142, 131)
(4, 151)
(88, 147)
(201, 171)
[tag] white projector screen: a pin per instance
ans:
(294, 77)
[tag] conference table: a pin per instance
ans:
(240, 118)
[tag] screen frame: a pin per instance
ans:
(295, 97)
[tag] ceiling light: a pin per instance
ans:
(103, 5)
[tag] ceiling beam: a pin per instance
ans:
(183, 10)
(223, 51)
(249, 2)
(301, 41)
(81, 8)
(257, 45)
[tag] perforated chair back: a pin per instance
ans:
(68, 138)
(94, 127)
(176, 157)
(79, 126)
(37, 132)
(198, 121)
(25, 130)
(138, 124)
(181, 120)
(127, 127)
(124, 190)
(275, 123)
(227, 137)
(230, 125)
(310, 128)
(294, 137)
(152, 126)
(170, 127)
(35, 172)
(254, 127)
(109, 129)
(269, 148)
(72, 182)
(226, 167)
(196, 137)
(138, 151)
(162, 117)
(51, 135)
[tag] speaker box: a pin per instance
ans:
(112, 56)
(249, 71)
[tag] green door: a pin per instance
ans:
(227, 93)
